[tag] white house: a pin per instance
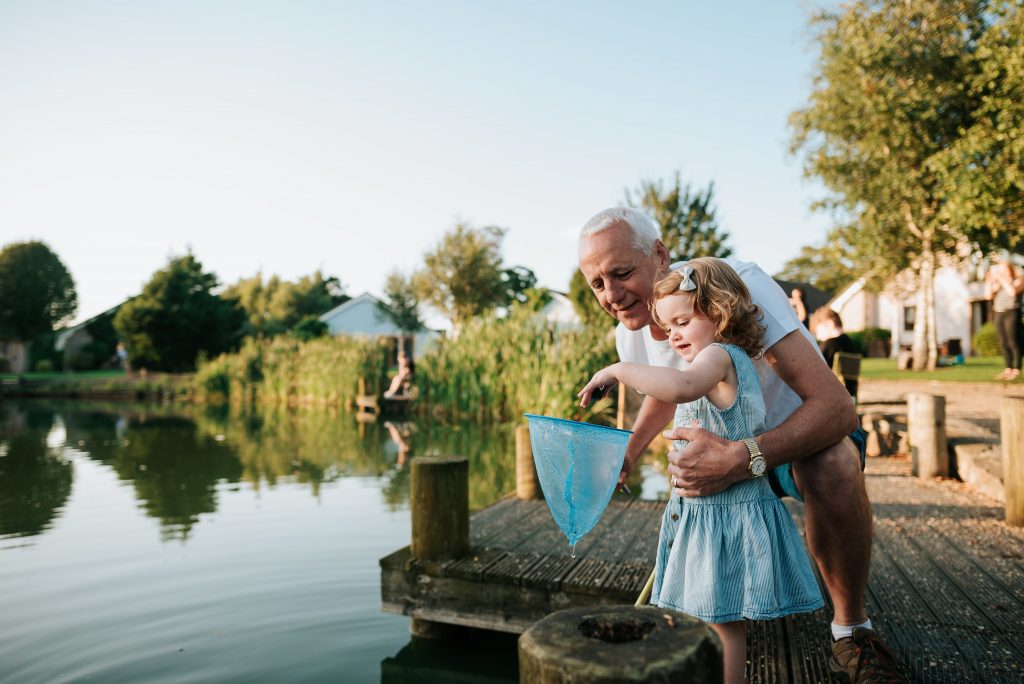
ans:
(960, 306)
(559, 311)
(361, 316)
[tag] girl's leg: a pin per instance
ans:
(734, 647)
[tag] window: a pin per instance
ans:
(909, 316)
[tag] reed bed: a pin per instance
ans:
(495, 370)
(289, 372)
(499, 368)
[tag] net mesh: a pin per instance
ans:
(578, 465)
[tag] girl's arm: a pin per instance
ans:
(669, 385)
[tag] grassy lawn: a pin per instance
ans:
(975, 369)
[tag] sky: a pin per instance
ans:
(285, 137)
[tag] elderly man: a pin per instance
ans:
(807, 447)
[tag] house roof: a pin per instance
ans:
(366, 296)
(814, 298)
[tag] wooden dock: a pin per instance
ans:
(946, 588)
(519, 568)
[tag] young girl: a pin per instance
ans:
(736, 554)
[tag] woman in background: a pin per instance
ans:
(1003, 285)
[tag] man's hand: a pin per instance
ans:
(707, 464)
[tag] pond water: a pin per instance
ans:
(156, 544)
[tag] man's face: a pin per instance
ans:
(620, 275)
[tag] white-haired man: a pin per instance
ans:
(807, 451)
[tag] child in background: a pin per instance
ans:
(735, 555)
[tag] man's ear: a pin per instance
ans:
(661, 252)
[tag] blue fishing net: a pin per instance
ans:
(578, 465)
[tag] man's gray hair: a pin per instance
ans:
(645, 231)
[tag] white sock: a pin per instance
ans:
(843, 631)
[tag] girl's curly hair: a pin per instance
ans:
(721, 297)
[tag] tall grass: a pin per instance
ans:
(286, 371)
(493, 372)
(499, 368)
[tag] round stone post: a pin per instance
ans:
(527, 483)
(1012, 438)
(926, 425)
(612, 644)
(439, 500)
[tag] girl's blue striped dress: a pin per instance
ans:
(735, 554)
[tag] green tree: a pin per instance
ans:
(983, 171)
(518, 283)
(462, 275)
(585, 303)
(36, 291)
(689, 226)
(309, 328)
(276, 306)
(176, 317)
(888, 100)
(401, 303)
(830, 266)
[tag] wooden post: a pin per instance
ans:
(527, 482)
(439, 500)
(601, 645)
(620, 414)
(926, 425)
(1012, 437)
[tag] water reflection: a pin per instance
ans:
(34, 480)
(175, 457)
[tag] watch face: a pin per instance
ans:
(757, 466)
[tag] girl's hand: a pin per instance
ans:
(603, 380)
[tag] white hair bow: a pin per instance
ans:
(687, 284)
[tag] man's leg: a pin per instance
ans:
(839, 525)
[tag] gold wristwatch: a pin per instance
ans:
(758, 466)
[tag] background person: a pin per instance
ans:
(401, 384)
(1003, 285)
(832, 339)
(799, 304)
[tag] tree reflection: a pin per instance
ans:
(173, 466)
(175, 457)
(34, 481)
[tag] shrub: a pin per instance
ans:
(870, 339)
(44, 366)
(985, 341)
(82, 361)
(5, 365)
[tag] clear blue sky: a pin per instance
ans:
(348, 136)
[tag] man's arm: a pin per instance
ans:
(710, 463)
(652, 418)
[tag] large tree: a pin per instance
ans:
(463, 275)
(275, 306)
(888, 100)
(983, 171)
(689, 226)
(36, 291)
(176, 317)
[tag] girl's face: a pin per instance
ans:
(688, 332)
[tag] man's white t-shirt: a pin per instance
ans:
(638, 346)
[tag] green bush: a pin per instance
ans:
(44, 366)
(82, 361)
(5, 364)
(868, 338)
(985, 342)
